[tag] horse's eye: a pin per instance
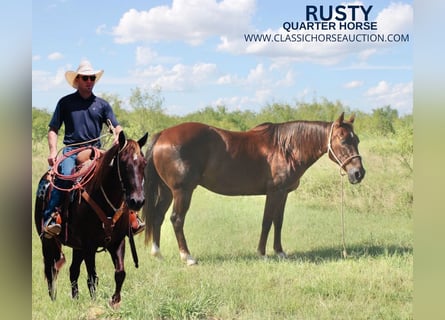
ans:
(346, 140)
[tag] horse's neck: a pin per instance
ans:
(111, 183)
(108, 183)
(312, 141)
(325, 127)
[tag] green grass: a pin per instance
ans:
(375, 281)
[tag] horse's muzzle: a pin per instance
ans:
(135, 204)
(356, 174)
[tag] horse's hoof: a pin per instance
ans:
(282, 255)
(52, 295)
(191, 262)
(52, 290)
(188, 259)
(157, 255)
(115, 305)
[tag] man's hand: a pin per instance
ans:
(52, 159)
(117, 129)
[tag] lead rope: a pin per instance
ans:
(342, 174)
(345, 254)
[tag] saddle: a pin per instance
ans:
(84, 159)
(85, 156)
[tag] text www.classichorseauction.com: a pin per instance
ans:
(334, 24)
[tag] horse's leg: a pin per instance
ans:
(118, 255)
(274, 207)
(51, 253)
(75, 271)
(181, 203)
(89, 255)
(165, 199)
(278, 223)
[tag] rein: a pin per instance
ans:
(108, 222)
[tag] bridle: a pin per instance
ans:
(109, 222)
(343, 163)
(116, 159)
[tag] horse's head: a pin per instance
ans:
(343, 148)
(131, 170)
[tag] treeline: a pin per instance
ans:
(146, 113)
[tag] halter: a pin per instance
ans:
(343, 163)
(119, 176)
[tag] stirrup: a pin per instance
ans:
(140, 228)
(51, 228)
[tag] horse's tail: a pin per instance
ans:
(151, 190)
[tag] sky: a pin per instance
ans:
(195, 53)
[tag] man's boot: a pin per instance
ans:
(52, 226)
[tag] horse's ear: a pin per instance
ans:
(340, 119)
(122, 139)
(142, 141)
(352, 118)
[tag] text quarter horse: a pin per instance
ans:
(97, 217)
(266, 160)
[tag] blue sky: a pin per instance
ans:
(194, 52)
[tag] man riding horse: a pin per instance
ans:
(83, 115)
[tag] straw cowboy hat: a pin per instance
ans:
(85, 68)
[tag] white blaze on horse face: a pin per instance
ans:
(135, 156)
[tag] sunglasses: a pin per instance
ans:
(85, 78)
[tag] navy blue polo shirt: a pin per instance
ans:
(83, 118)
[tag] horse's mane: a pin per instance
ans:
(299, 141)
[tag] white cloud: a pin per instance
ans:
(101, 29)
(179, 77)
(55, 56)
(226, 79)
(260, 77)
(243, 102)
(353, 84)
(397, 17)
(145, 55)
(256, 75)
(189, 21)
(288, 80)
(44, 81)
(399, 95)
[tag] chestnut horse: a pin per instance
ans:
(266, 160)
(95, 216)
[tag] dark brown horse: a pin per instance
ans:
(268, 159)
(96, 216)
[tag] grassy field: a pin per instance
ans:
(231, 282)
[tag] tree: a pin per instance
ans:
(382, 120)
